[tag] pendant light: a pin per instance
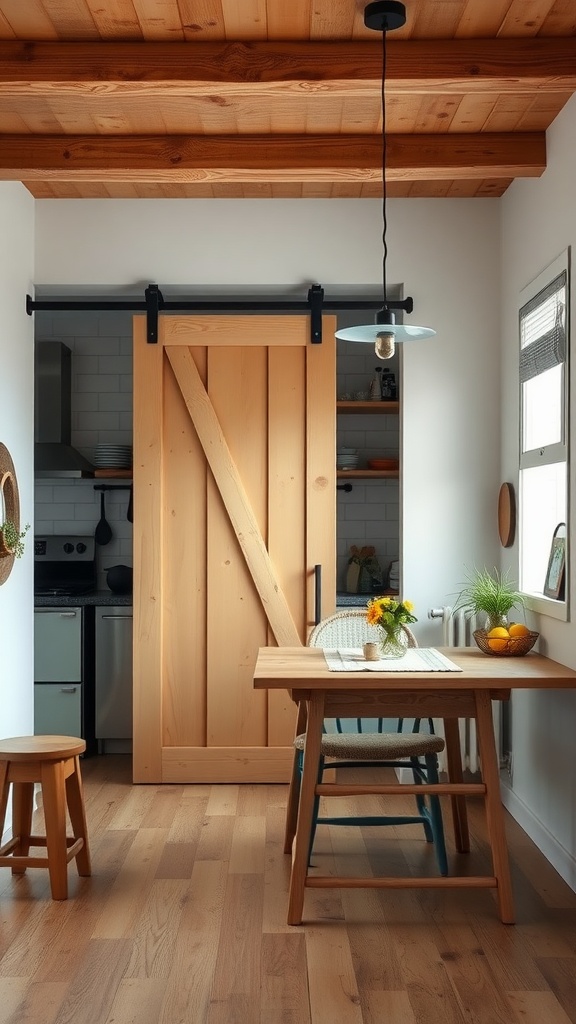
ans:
(384, 15)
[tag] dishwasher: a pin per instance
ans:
(113, 682)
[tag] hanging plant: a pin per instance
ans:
(12, 539)
(11, 534)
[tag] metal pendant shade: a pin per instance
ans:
(382, 16)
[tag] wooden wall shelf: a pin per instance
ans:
(370, 474)
(112, 474)
(383, 408)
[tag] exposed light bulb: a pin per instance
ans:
(384, 345)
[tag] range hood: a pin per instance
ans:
(53, 451)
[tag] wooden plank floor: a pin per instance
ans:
(183, 922)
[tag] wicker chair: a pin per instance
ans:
(360, 749)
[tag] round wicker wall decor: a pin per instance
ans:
(9, 508)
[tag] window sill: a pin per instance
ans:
(546, 606)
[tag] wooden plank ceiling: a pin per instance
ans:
(278, 98)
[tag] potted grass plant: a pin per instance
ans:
(491, 593)
(494, 594)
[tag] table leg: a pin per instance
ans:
(294, 791)
(306, 808)
(494, 810)
(454, 762)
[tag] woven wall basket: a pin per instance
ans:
(9, 507)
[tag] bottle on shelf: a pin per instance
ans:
(376, 385)
(389, 390)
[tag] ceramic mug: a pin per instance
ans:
(371, 652)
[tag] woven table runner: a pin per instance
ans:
(416, 659)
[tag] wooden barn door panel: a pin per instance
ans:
(235, 503)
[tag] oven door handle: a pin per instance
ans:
(53, 611)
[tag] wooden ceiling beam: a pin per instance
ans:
(343, 68)
(319, 158)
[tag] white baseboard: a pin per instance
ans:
(560, 858)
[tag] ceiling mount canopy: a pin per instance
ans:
(384, 16)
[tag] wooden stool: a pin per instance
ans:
(54, 762)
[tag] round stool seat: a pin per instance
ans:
(53, 762)
(40, 748)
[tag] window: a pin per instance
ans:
(543, 490)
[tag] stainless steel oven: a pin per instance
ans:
(64, 569)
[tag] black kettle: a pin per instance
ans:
(119, 579)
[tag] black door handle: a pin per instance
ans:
(317, 594)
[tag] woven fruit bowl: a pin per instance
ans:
(502, 647)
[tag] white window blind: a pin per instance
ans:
(543, 330)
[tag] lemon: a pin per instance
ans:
(498, 638)
(498, 643)
(518, 629)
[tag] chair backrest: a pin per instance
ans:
(349, 629)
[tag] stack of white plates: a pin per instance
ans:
(347, 458)
(113, 456)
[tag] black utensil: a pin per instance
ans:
(130, 512)
(103, 531)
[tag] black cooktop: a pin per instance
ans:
(64, 591)
(64, 566)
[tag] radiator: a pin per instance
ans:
(457, 630)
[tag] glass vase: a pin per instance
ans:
(393, 643)
(492, 621)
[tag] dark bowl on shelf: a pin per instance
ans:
(383, 464)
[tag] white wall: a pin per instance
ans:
(442, 251)
(16, 432)
(538, 223)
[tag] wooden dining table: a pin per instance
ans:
(320, 693)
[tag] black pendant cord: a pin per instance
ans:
(384, 154)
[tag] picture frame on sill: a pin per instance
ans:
(554, 583)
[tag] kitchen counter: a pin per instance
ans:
(97, 597)
(360, 600)
(353, 600)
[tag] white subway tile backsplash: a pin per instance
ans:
(84, 438)
(74, 494)
(118, 401)
(368, 513)
(97, 420)
(96, 346)
(71, 325)
(84, 402)
(43, 494)
(85, 363)
(126, 423)
(383, 529)
(116, 364)
(119, 436)
(54, 510)
(97, 382)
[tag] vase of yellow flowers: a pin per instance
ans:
(389, 616)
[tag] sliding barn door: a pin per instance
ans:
(234, 479)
